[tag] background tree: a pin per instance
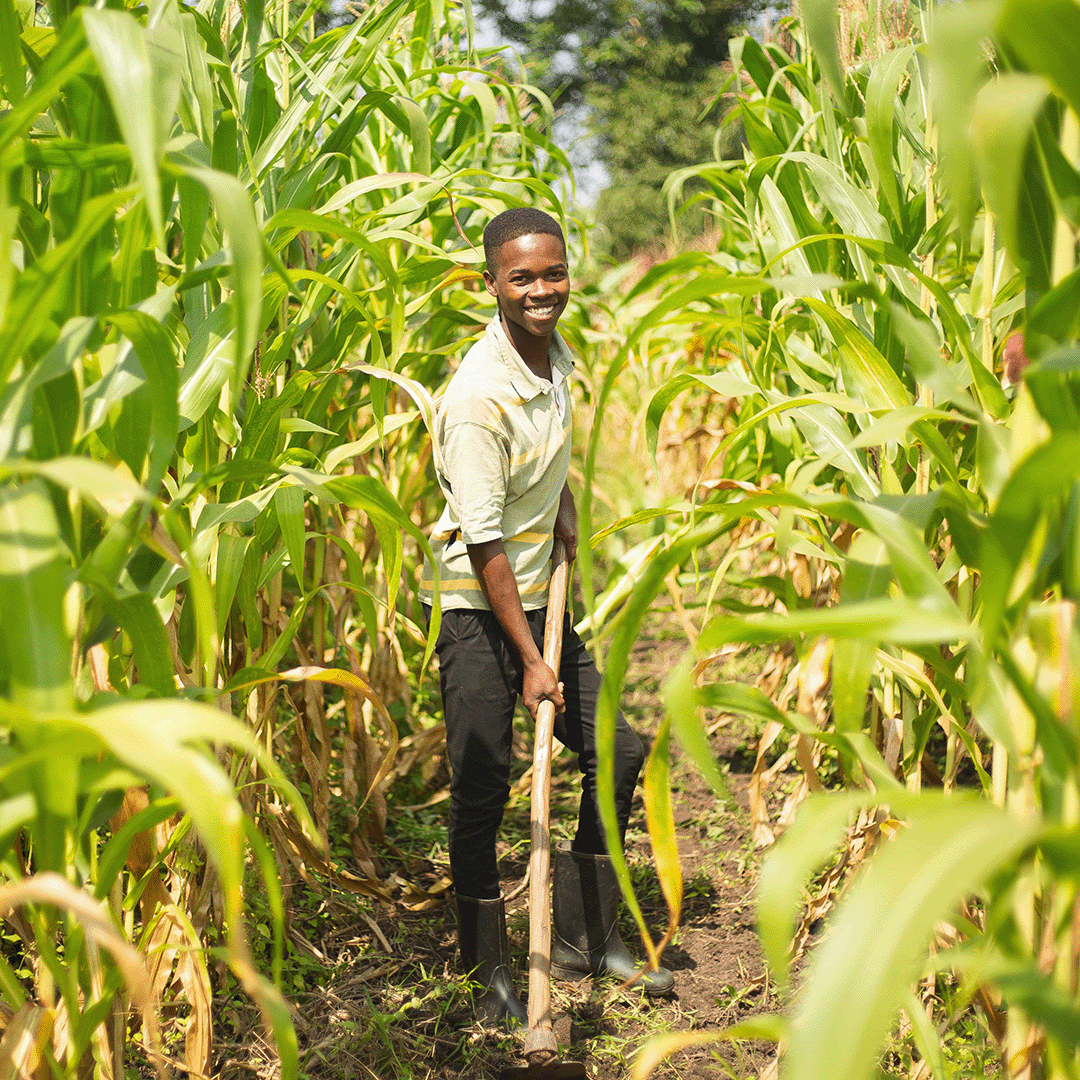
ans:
(643, 77)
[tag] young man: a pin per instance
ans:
(503, 434)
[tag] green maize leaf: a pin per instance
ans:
(194, 212)
(67, 58)
(704, 287)
(923, 347)
(1024, 986)
(783, 228)
(1071, 545)
(294, 423)
(894, 425)
(828, 435)
(866, 577)
(289, 509)
(899, 622)
(119, 45)
(485, 99)
(1001, 130)
(268, 868)
(291, 120)
(1055, 317)
(293, 221)
(686, 262)
(748, 54)
(1045, 35)
(803, 849)
(952, 845)
(958, 66)
(660, 820)
(245, 595)
(161, 741)
(725, 383)
(38, 287)
(1060, 847)
(819, 19)
(207, 364)
(367, 494)
(250, 66)
(35, 647)
(1062, 174)
(62, 153)
(263, 427)
(231, 554)
(239, 512)
(116, 491)
(155, 353)
(370, 439)
(925, 1034)
(365, 598)
(149, 642)
(867, 374)
(271, 567)
(1037, 485)
(681, 698)
(881, 95)
(223, 152)
(17, 401)
(236, 215)
(419, 134)
(899, 522)
(749, 701)
(9, 223)
(852, 208)
(12, 71)
(198, 88)
(644, 592)
(852, 668)
(16, 813)
(641, 517)
(276, 652)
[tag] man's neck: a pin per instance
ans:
(533, 350)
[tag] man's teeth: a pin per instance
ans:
(542, 312)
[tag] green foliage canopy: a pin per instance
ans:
(644, 78)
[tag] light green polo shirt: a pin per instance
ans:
(502, 452)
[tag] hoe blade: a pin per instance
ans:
(555, 1070)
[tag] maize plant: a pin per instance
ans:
(235, 254)
(883, 347)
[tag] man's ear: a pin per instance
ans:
(489, 283)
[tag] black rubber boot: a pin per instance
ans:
(485, 954)
(585, 932)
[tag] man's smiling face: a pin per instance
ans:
(531, 282)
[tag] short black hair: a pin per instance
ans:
(518, 221)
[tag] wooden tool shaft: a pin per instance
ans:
(540, 1042)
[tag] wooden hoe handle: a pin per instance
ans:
(540, 1045)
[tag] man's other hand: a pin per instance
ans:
(540, 684)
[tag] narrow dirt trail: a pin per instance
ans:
(384, 999)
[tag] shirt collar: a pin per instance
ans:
(526, 384)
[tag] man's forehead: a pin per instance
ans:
(530, 247)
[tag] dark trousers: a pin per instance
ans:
(481, 676)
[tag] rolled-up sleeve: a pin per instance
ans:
(476, 461)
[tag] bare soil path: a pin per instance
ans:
(384, 998)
